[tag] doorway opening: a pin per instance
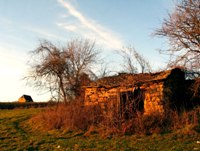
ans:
(131, 102)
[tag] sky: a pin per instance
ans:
(112, 24)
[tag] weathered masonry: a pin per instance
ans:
(147, 93)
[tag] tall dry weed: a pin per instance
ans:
(75, 116)
(71, 116)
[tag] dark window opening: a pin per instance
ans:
(138, 100)
(131, 102)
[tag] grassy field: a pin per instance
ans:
(16, 133)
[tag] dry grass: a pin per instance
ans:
(189, 121)
(91, 119)
(17, 133)
(71, 116)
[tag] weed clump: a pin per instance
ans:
(74, 116)
(70, 116)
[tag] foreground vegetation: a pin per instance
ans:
(18, 132)
(14, 105)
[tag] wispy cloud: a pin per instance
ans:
(44, 33)
(106, 36)
(69, 27)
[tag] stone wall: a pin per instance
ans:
(160, 94)
(153, 100)
(106, 98)
(110, 98)
(22, 99)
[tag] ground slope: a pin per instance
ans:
(16, 133)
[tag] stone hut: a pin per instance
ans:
(146, 93)
(25, 98)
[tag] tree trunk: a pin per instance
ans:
(63, 90)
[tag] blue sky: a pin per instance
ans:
(113, 24)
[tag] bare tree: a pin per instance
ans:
(133, 62)
(182, 28)
(60, 70)
(104, 70)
